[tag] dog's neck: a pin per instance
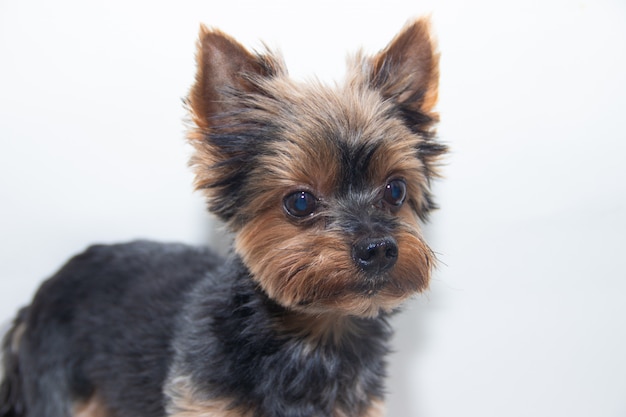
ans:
(321, 329)
(272, 357)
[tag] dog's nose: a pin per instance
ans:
(375, 255)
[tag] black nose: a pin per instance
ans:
(375, 255)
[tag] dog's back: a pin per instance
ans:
(70, 338)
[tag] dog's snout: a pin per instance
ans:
(375, 255)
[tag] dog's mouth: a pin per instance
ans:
(371, 286)
(367, 299)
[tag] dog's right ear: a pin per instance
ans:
(225, 70)
(229, 81)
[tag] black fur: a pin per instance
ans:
(228, 328)
(239, 141)
(11, 396)
(355, 160)
(76, 341)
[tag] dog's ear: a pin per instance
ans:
(225, 69)
(407, 73)
(221, 102)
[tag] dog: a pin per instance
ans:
(324, 189)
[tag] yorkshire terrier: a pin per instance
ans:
(323, 187)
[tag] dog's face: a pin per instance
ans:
(324, 187)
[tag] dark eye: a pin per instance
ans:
(300, 204)
(395, 193)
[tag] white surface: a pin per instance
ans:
(526, 315)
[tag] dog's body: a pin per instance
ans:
(227, 337)
(322, 188)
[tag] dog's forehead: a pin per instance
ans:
(333, 156)
(333, 138)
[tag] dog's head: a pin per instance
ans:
(322, 186)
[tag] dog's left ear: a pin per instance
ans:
(407, 73)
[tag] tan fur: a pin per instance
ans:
(185, 401)
(218, 57)
(94, 407)
(314, 271)
(315, 267)
(377, 409)
(416, 51)
(16, 337)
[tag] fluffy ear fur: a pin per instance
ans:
(225, 70)
(407, 73)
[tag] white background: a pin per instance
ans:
(527, 312)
